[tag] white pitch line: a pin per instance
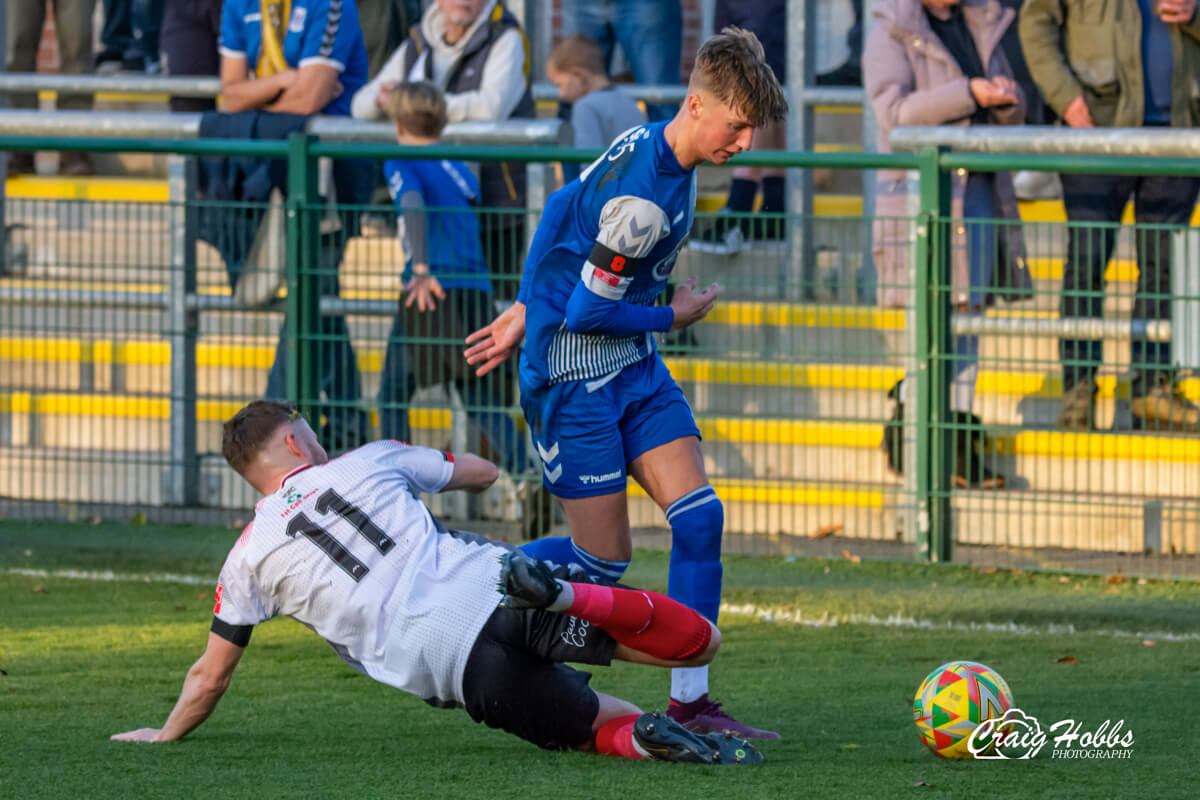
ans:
(776, 614)
(108, 575)
(769, 614)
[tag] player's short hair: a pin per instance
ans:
(732, 66)
(249, 429)
(577, 51)
(418, 107)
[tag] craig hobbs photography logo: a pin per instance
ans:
(1018, 736)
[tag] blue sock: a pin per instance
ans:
(551, 548)
(599, 567)
(697, 520)
(562, 550)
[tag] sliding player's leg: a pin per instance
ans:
(649, 628)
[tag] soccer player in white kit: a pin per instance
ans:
(346, 548)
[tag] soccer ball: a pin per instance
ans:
(953, 700)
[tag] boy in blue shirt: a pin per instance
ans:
(600, 403)
(447, 292)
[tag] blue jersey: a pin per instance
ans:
(602, 254)
(318, 32)
(448, 192)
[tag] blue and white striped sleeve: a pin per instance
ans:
(326, 40)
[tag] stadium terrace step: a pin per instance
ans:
(766, 508)
(736, 449)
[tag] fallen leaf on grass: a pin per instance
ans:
(1113, 590)
(1148, 642)
(824, 531)
(850, 746)
(1142, 581)
(1068, 660)
(985, 570)
(41, 589)
(1114, 578)
(1018, 572)
(846, 554)
(1063, 579)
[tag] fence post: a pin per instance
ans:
(303, 306)
(181, 481)
(934, 348)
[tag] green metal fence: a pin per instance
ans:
(123, 348)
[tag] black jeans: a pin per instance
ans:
(1101, 199)
(191, 30)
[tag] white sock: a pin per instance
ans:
(565, 597)
(689, 683)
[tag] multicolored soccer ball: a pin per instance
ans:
(953, 700)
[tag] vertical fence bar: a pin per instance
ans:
(182, 477)
(801, 38)
(934, 346)
(303, 306)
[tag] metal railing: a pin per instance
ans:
(198, 86)
(921, 346)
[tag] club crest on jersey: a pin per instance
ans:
(662, 270)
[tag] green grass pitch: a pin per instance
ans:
(83, 658)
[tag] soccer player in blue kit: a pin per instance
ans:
(599, 401)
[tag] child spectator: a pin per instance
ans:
(599, 111)
(444, 272)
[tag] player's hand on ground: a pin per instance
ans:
(424, 290)
(140, 735)
(691, 306)
(492, 344)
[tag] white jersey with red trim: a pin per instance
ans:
(347, 549)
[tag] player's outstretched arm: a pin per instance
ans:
(203, 687)
(491, 345)
(471, 473)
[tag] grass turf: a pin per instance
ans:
(87, 658)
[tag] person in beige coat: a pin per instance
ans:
(938, 62)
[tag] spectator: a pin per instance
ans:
(73, 26)
(650, 33)
(599, 111)
(936, 62)
(1105, 64)
(309, 63)
(767, 21)
(190, 32)
(474, 51)
(130, 36)
(849, 72)
(447, 291)
(385, 25)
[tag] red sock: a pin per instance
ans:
(615, 737)
(646, 621)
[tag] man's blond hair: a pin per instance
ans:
(732, 66)
(577, 51)
(418, 107)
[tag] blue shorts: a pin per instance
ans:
(586, 438)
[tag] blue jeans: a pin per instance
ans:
(427, 351)
(649, 32)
